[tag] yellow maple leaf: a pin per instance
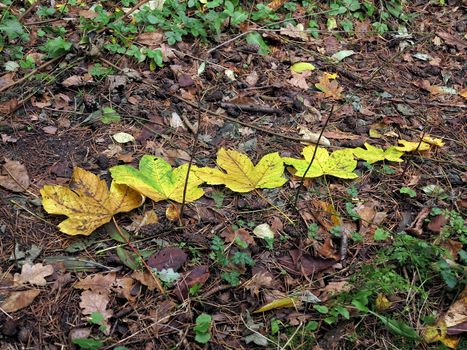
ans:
(340, 163)
(374, 154)
(240, 175)
(329, 88)
(87, 202)
(409, 146)
(157, 180)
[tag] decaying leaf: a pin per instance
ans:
(259, 281)
(240, 175)
(173, 212)
(409, 146)
(157, 180)
(433, 141)
(96, 302)
(299, 79)
(374, 154)
(340, 163)
(14, 176)
(33, 274)
(329, 88)
(19, 300)
(149, 218)
(87, 202)
(297, 31)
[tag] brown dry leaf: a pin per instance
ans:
(299, 80)
(304, 264)
(230, 235)
(326, 250)
(44, 101)
(51, 130)
(14, 176)
(123, 286)
(437, 223)
(149, 218)
(98, 283)
(329, 88)
(96, 302)
(161, 314)
(457, 315)
(260, 280)
(297, 32)
(172, 213)
(61, 101)
(151, 39)
(453, 40)
(252, 78)
(416, 227)
(432, 89)
(88, 14)
(76, 80)
(19, 300)
(340, 135)
(33, 274)
(276, 4)
(145, 278)
(198, 276)
(463, 93)
(8, 106)
(6, 79)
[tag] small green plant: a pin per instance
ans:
(202, 328)
(408, 191)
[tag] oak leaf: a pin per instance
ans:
(157, 180)
(374, 154)
(34, 274)
(92, 302)
(14, 176)
(329, 88)
(340, 163)
(87, 202)
(241, 175)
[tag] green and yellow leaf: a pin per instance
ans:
(240, 174)
(278, 304)
(300, 67)
(374, 154)
(87, 202)
(157, 180)
(340, 163)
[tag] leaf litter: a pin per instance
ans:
(301, 255)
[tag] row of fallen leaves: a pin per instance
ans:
(88, 203)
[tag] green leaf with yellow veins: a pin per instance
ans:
(409, 146)
(240, 174)
(157, 180)
(339, 163)
(374, 154)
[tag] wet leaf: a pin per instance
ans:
(240, 175)
(87, 202)
(14, 176)
(340, 163)
(374, 154)
(157, 180)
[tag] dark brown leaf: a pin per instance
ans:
(170, 257)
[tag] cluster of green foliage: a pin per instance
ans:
(179, 20)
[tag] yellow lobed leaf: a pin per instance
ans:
(87, 202)
(277, 304)
(409, 146)
(340, 163)
(374, 154)
(300, 67)
(241, 175)
(157, 180)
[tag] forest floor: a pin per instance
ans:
(374, 262)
